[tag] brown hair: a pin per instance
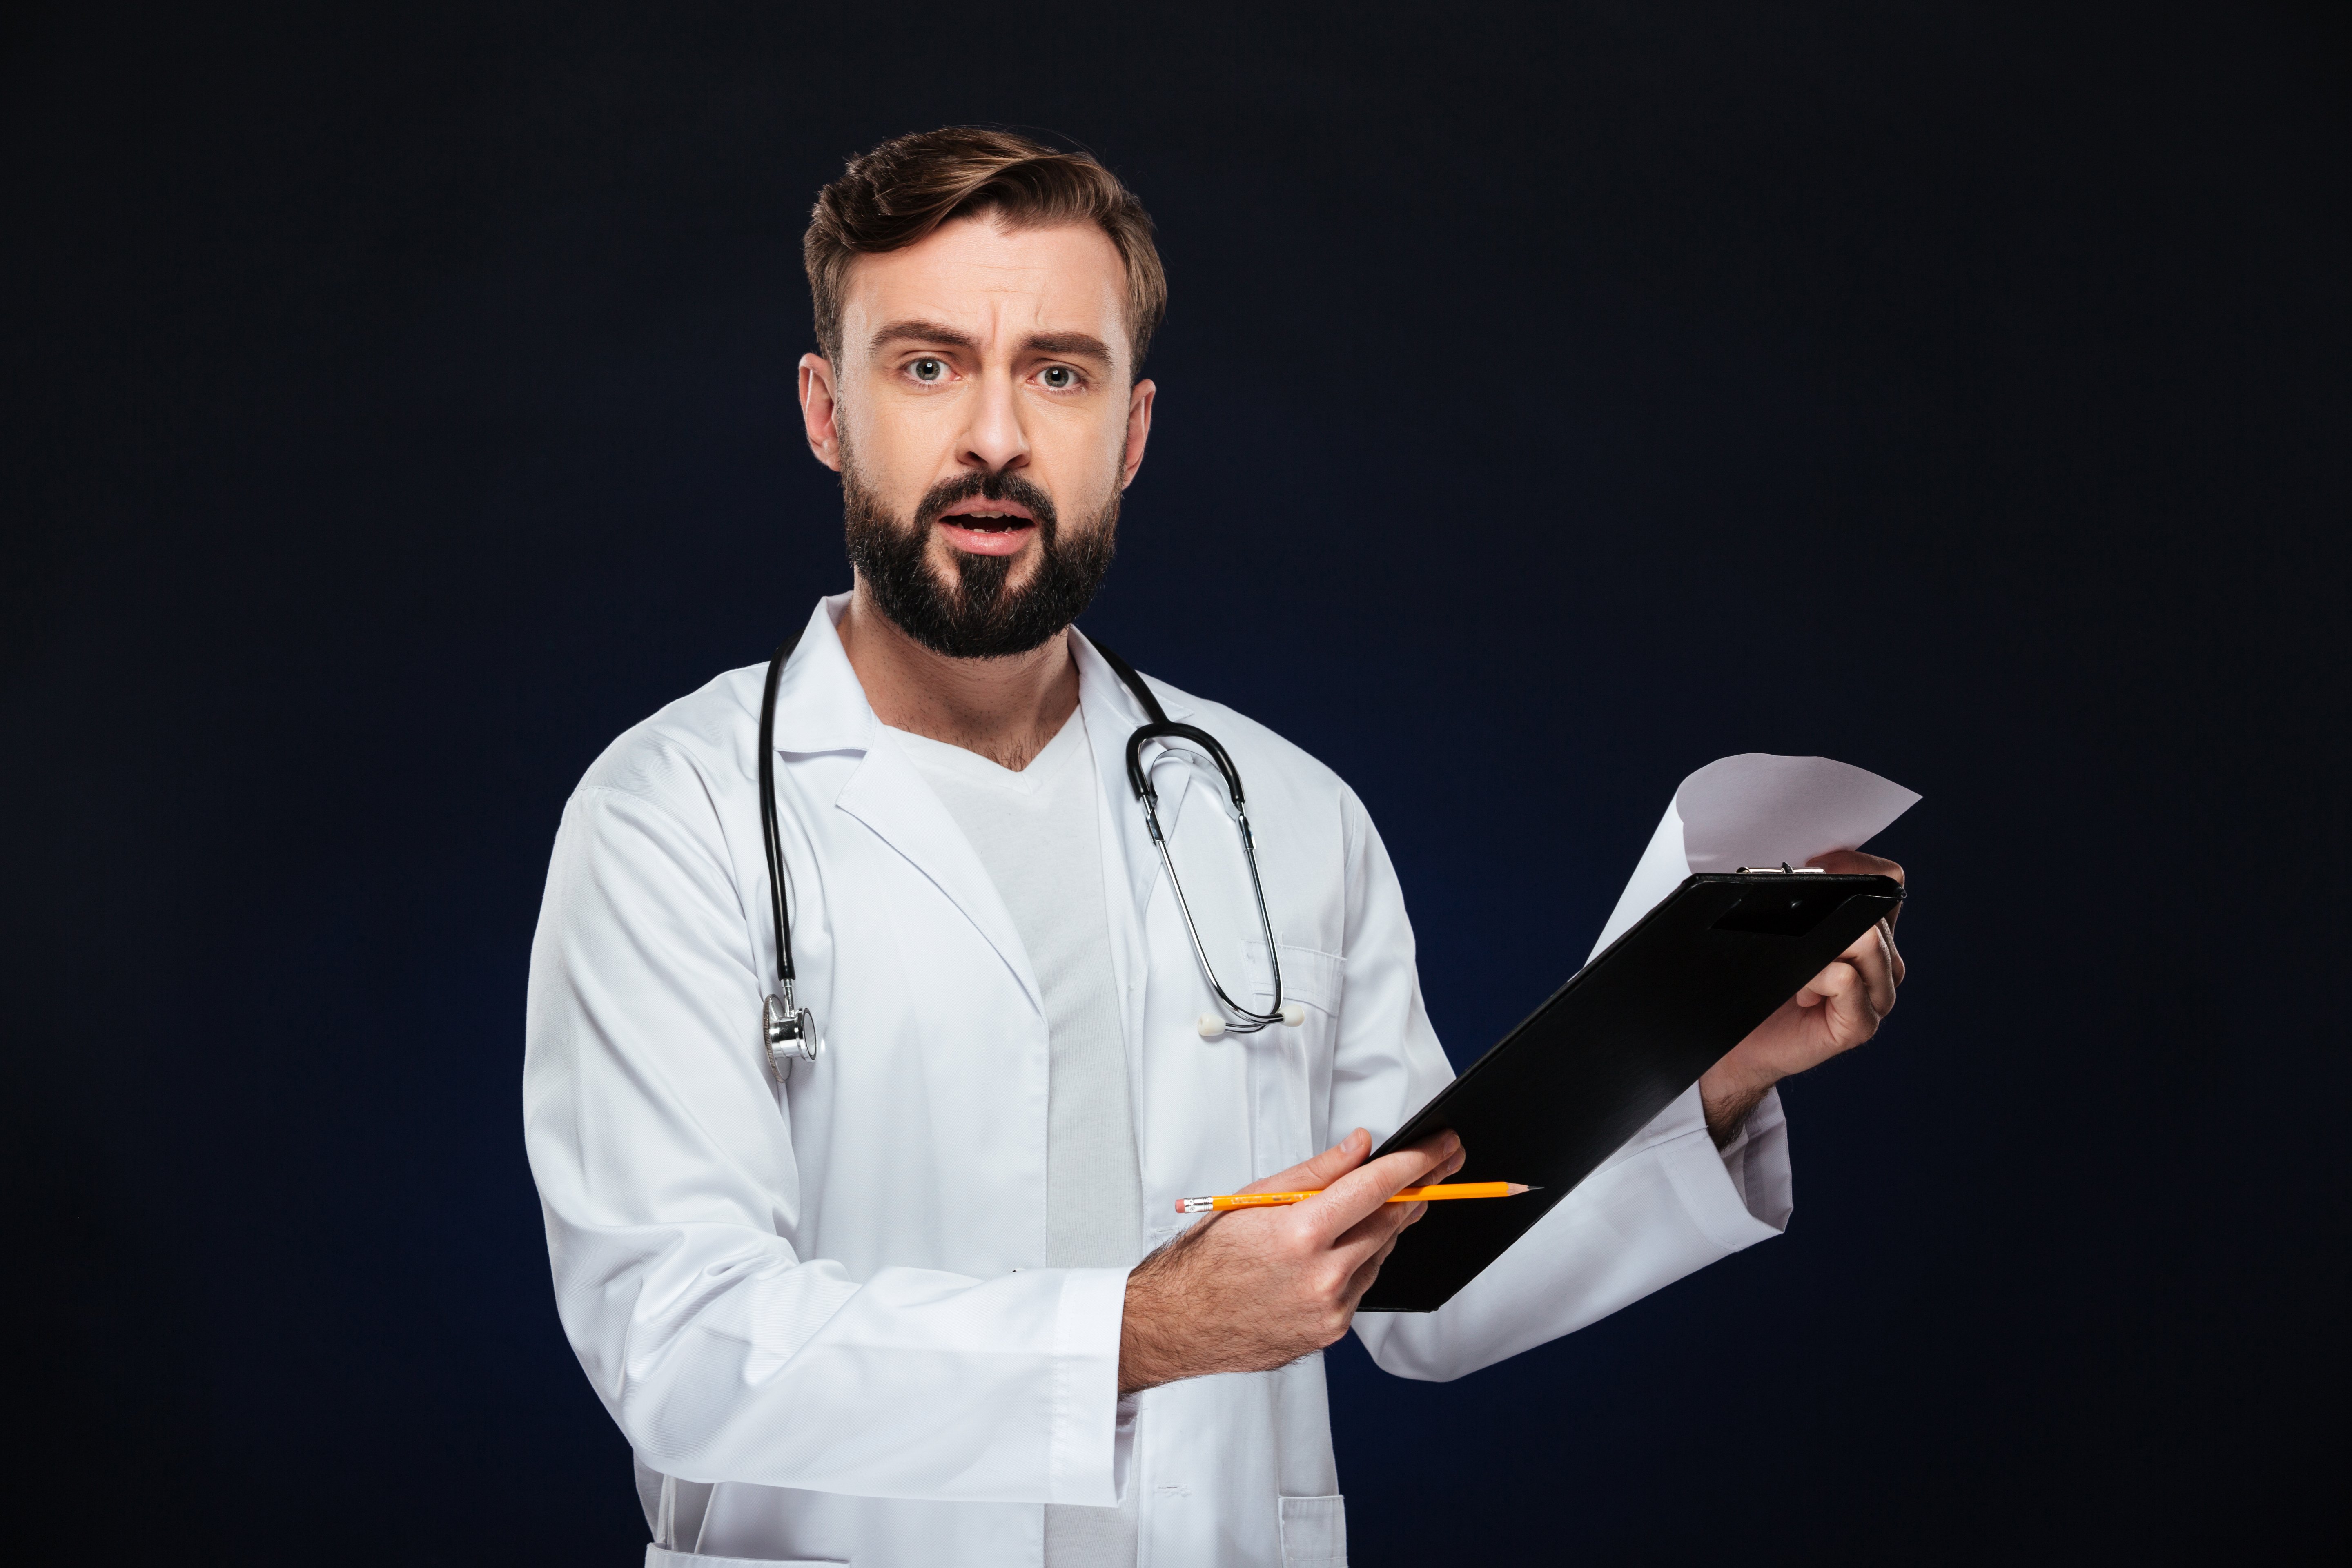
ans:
(894, 195)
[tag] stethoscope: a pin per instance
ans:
(791, 1031)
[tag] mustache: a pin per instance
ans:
(988, 487)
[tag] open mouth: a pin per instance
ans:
(988, 528)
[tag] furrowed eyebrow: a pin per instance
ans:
(1069, 345)
(920, 332)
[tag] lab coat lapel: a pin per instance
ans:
(1130, 866)
(820, 706)
(891, 798)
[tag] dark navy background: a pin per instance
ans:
(398, 403)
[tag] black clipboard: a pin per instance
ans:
(1610, 1049)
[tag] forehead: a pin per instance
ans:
(993, 282)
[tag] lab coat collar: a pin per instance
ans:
(1098, 680)
(820, 706)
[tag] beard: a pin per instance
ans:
(977, 615)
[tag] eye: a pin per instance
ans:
(1059, 377)
(928, 368)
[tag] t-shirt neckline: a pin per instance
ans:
(970, 765)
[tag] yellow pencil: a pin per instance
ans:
(1408, 1196)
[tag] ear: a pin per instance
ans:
(821, 410)
(1139, 429)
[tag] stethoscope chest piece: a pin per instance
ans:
(790, 1034)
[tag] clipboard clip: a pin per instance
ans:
(1785, 869)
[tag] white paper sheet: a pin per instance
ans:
(1755, 809)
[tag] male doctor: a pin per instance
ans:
(925, 1299)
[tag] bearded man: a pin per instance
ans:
(925, 1298)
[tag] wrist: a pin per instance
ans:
(1727, 1092)
(1150, 1353)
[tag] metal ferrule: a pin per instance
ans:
(1196, 1205)
(790, 1033)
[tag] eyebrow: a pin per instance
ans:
(1073, 345)
(920, 332)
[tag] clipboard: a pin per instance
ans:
(1613, 1047)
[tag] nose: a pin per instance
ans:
(994, 440)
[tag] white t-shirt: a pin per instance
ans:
(1036, 834)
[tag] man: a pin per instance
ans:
(925, 1299)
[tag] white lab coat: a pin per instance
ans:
(819, 1313)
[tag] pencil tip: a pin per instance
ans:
(1519, 1187)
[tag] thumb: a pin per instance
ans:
(1322, 1170)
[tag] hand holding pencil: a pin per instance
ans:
(1254, 1285)
(1404, 1195)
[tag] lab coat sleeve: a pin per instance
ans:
(1666, 1204)
(669, 1189)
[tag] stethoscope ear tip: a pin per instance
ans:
(1212, 1025)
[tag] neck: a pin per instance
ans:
(1004, 708)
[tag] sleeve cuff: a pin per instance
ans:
(1094, 1429)
(1756, 1161)
(1738, 1194)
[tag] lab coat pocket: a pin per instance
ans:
(661, 1557)
(1314, 1533)
(1308, 975)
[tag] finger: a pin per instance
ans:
(1440, 1155)
(1366, 1272)
(1887, 926)
(1840, 978)
(1374, 1238)
(1448, 1157)
(1365, 1189)
(1375, 1230)
(1874, 957)
(1854, 863)
(1321, 1171)
(1440, 1152)
(1445, 1170)
(1848, 1015)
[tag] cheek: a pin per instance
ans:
(1082, 468)
(898, 453)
